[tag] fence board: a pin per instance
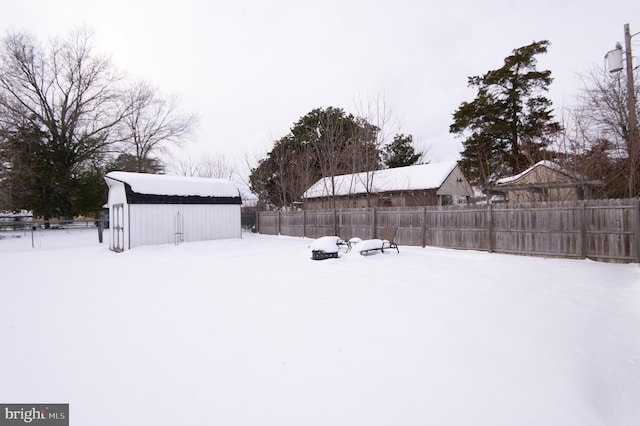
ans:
(603, 230)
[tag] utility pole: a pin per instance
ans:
(634, 137)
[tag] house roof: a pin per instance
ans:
(420, 177)
(544, 163)
(150, 188)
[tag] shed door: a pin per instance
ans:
(118, 227)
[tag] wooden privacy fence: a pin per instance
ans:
(602, 230)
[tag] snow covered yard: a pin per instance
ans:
(252, 331)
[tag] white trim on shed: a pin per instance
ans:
(159, 209)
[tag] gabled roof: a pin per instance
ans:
(544, 163)
(420, 177)
(157, 189)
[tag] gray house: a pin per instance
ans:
(421, 185)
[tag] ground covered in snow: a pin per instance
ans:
(252, 331)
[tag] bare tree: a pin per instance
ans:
(208, 166)
(328, 148)
(597, 132)
(377, 127)
(603, 106)
(153, 122)
(66, 90)
(62, 100)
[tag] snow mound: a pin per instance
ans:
(329, 244)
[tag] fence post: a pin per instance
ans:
(424, 227)
(375, 219)
(490, 227)
(278, 227)
(100, 229)
(304, 223)
(583, 228)
(335, 223)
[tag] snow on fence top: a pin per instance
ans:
(144, 183)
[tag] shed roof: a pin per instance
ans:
(145, 187)
(544, 163)
(420, 177)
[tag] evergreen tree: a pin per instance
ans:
(46, 178)
(90, 190)
(509, 125)
(401, 152)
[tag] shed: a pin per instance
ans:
(160, 209)
(420, 185)
(544, 181)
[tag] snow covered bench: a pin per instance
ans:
(379, 244)
(328, 247)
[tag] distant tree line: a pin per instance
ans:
(67, 116)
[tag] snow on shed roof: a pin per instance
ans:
(423, 176)
(145, 183)
(544, 163)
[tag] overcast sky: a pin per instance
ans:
(251, 69)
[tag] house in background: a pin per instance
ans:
(159, 209)
(544, 181)
(421, 185)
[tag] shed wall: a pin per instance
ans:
(542, 174)
(156, 223)
(456, 184)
